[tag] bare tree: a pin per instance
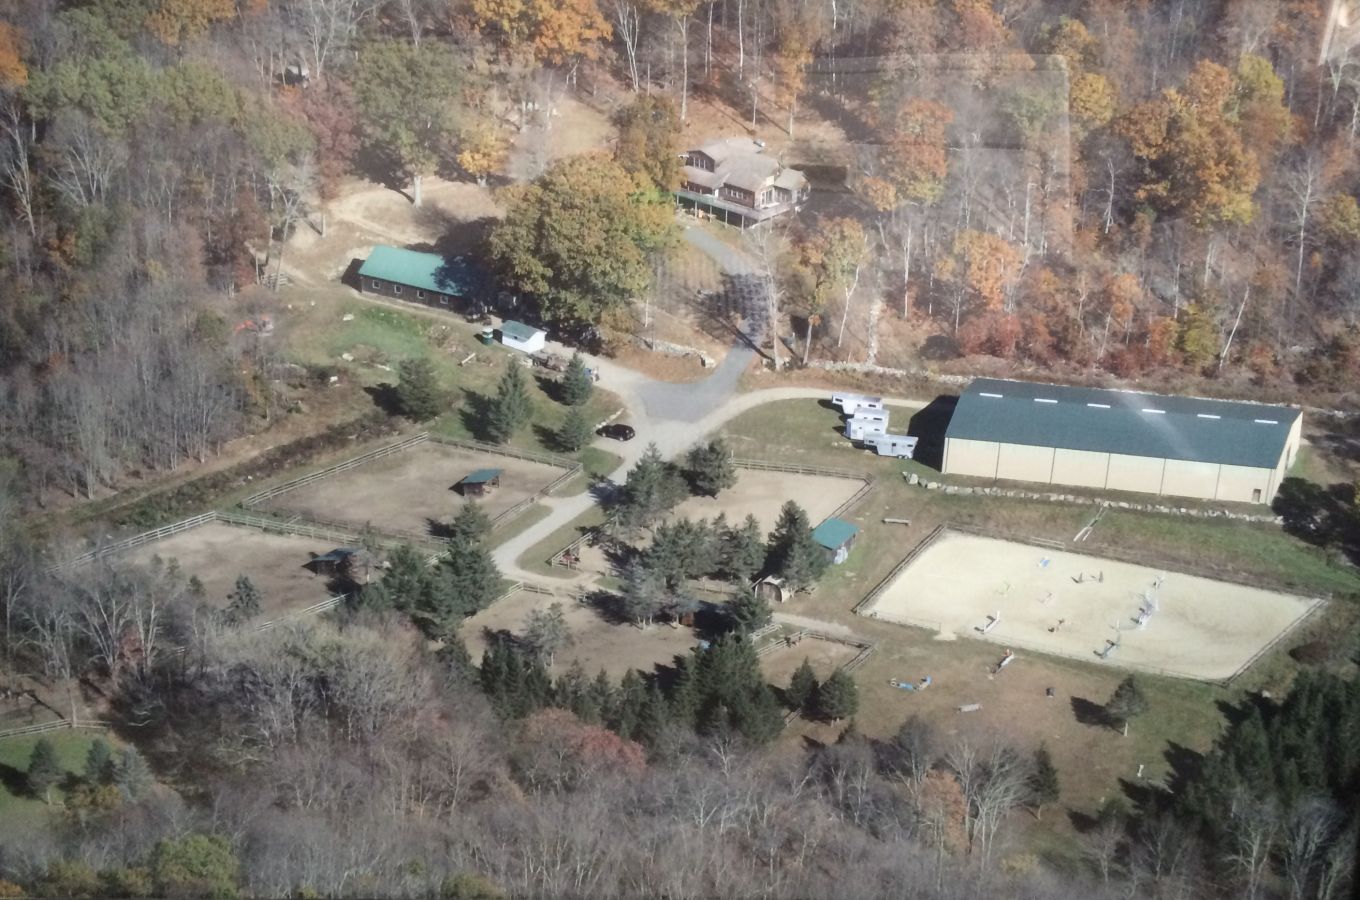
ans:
(628, 22)
(1303, 189)
(327, 27)
(86, 162)
(16, 172)
(1253, 825)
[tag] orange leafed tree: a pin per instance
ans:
(916, 158)
(13, 72)
(943, 812)
(557, 32)
(557, 749)
(179, 21)
(980, 269)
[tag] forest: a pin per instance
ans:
(1083, 190)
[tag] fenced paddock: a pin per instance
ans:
(596, 641)
(217, 553)
(762, 488)
(404, 488)
(1200, 628)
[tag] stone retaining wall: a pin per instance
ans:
(1054, 497)
(670, 349)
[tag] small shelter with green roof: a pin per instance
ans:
(836, 536)
(427, 278)
(479, 483)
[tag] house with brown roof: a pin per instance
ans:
(734, 181)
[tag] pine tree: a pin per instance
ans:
(749, 611)
(837, 697)
(465, 583)
(576, 384)
(575, 432)
(1126, 702)
(511, 408)
(1043, 781)
(744, 552)
(644, 593)
(793, 554)
(132, 774)
(572, 692)
(602, 696)
(655, 717)
(802, 687)
(417, 390)
(471, 525)
(709, 468)
(245, 601)
(546, 632)
(652, 489)
(632, 698)
(407, 576)
(99, 762)
(44, 770)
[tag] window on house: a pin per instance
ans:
(443, 300)
(420, 295)
(1256, 495)
(377, 285)
(396, 289)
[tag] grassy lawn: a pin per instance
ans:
(377, 338)
(522, 522)
(20, 812)
(537, 558)
(596, 463)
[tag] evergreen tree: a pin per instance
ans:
(749, 611)
(709, 468)
(652, 489)
(837, 697)
(546, 632)
(802, 687)
(131, 774)
(644, 593)
(456, 662)
(628, 712)
(572, 692)
(794, 556)
(655, 717)
(731, 691)
(744, 552)
(99, 762)
(44, 770)
(575, 432)
(417, 390)
(576, 383)
(515, 683)
(471, 526)
(511, 408)
(687, 692)
(465, 582)
(602, 696)
(245, 601)
(1043, 781)
(1126, 702)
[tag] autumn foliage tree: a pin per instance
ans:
(979, 272)
(13, 72)
(579, 238)
(175, 22)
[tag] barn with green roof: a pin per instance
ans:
(1122, 440)
(427, 278)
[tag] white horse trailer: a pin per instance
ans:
(851, 404)
(900, 445)
(864, 426)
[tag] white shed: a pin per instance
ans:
(518, 336)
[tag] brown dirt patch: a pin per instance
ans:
(411, 491)
(597, 642)
(761, 494)
(824, 656)
(218, 554)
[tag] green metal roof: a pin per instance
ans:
(1127, 422)
(834, 534)
(482, 476)
(518, 330)
(428, 271)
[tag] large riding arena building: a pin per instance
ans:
(1122, 441)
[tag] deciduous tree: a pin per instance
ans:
(578, 239)
(649, 140)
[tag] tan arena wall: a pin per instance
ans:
(1018, 462)
(1235, 483)
(1135, 473)
(1183, 478)
(964, 457)
(1082, 468)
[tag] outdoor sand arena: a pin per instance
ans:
(761, 494)
(219, 553)
(597, 643)
(1201, 628)
(411, 491)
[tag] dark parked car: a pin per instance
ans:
(617, 432)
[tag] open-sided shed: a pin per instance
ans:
(479, 483)
(836, 536)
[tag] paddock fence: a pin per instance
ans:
(865, 648)
(343, 466)
(867, 484)
(137, 540)
(45, 727)
(865, 606)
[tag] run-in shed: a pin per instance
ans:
(836, 536)
(479, 483)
